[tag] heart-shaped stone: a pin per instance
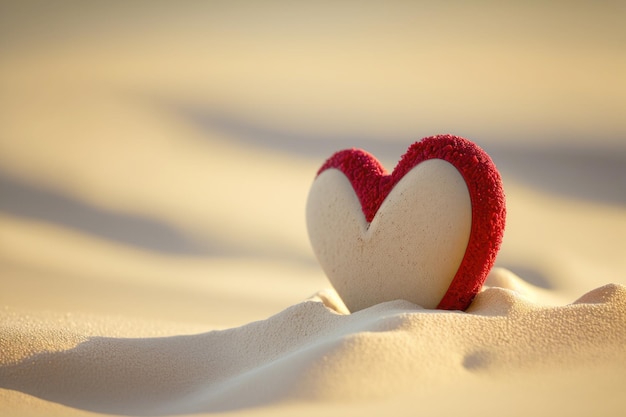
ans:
(428, 232)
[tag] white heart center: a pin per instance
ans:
(412, 248)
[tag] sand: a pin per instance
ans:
(154, 167)
(313, 354)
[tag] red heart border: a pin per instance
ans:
(372, 184)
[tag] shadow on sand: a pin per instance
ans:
(583, 170)
(27, 200)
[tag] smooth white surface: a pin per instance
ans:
(412, 248)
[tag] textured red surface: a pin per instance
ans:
(372, 184)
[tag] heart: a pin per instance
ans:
(429, 232)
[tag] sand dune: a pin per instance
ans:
(310, 352)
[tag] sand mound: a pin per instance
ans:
(313, 352)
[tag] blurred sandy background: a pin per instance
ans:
(155, 157)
